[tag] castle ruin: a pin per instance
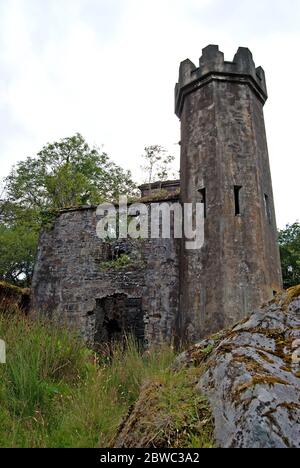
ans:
(166, 291)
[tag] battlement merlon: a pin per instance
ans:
(212, 66)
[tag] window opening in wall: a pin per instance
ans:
(268, 208)
(202, 194)
(237, 201)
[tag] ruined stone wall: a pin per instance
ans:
(167, 289)
(71, 284)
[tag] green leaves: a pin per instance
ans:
(117, 264)
(67, 173)
(289, 242)
(64, 174)
(17, 253)
(158, 163)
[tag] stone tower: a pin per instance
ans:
(225, 165)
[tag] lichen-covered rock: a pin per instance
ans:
(252, 377)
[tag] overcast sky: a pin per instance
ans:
(107, 69)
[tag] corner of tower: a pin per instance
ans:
(244, 64)
(213, 66)
(186, 70)
(260, 74)
(243, 61)
(211, 60)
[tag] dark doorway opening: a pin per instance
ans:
(118, 316)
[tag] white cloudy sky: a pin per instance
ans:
(107, 69)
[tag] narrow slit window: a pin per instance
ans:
(237, 199)
(202, 193)
(268, 208)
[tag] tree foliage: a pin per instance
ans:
(64, 174)
(17, 254)
(67, 173)
(19, 231)
(157, 163)
(289, 241)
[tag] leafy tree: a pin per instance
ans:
(157, 163)
(64, 174)
(67, 173)
(17, 254)
(289, 241)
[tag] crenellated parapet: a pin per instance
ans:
(212, 66)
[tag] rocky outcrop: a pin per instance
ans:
(251, 377)
(248, 382)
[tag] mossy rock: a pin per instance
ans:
(13, 298)
(291, 294)
(251, 377)
(169, 413)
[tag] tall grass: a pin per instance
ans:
(54, 392)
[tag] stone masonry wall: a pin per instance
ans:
(224, 155)
(167, 290)
(70, 283)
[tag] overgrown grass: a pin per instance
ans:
(170, 413)
(54, 392)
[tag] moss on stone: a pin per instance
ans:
(260, 380)
(13, 298)
(264, 355)
(291, 294)
(160, 195)
(252, 366)
(11, 289)
(170, 413)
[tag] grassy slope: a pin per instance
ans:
(55, 393)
